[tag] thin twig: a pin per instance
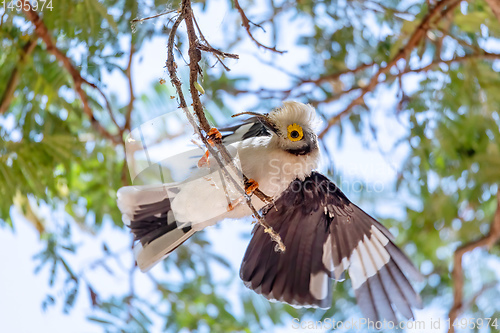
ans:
(337, 75)
(246, 23)
(8, 94)
(287, 93)
(487, 241)
(171, 65)
(1, 18)
(138, 20)
(208, 48)
(131, 281)
(106, 101)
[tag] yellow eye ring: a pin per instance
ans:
(295, 132)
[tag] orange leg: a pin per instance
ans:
(250, 186)
(213, 134)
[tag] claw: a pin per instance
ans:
(233, 204)
(204, 162)
(250, 186)
(213, 134)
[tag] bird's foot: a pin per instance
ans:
(250, 186)
(213, 135)
(204, 161)
(234, 203)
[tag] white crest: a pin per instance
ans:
(295, 112)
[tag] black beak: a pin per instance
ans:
(263, 118)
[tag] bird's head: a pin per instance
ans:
(293, 126)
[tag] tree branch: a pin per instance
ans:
(42, 32)
(246, 23)
(208, 48)
(8, 94)
(171, 65)
(432, 65)
(106, 101)
(140, 20)
(217, 148)
(337, 75)
(487, 241)
(441, 9)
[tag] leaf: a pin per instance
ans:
(199, 87)
(471, 22)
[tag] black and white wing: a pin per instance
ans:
(146, 211)
(250, 128)
(325, 234)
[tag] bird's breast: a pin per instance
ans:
(274, 169)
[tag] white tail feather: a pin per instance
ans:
(160, 248)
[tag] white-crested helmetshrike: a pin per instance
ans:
(323, 232)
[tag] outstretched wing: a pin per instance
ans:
(325, 234)
(146, 210)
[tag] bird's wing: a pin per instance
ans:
(146, 210)
(325, 234)
(250, 128)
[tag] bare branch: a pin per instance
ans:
(208, 48)
(42, 32)
(140, 20)
(194, 67)
(217, 148)
(217, 52)
(171, 65)
(8, 94)
(246, 23)
(337, 75)
(194, 58)
(106, 101)
(487, 241)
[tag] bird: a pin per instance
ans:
(323, 232)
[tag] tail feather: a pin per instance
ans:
(147, 212)
(149, 255)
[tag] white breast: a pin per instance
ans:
(273, 168)
(202, 202)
